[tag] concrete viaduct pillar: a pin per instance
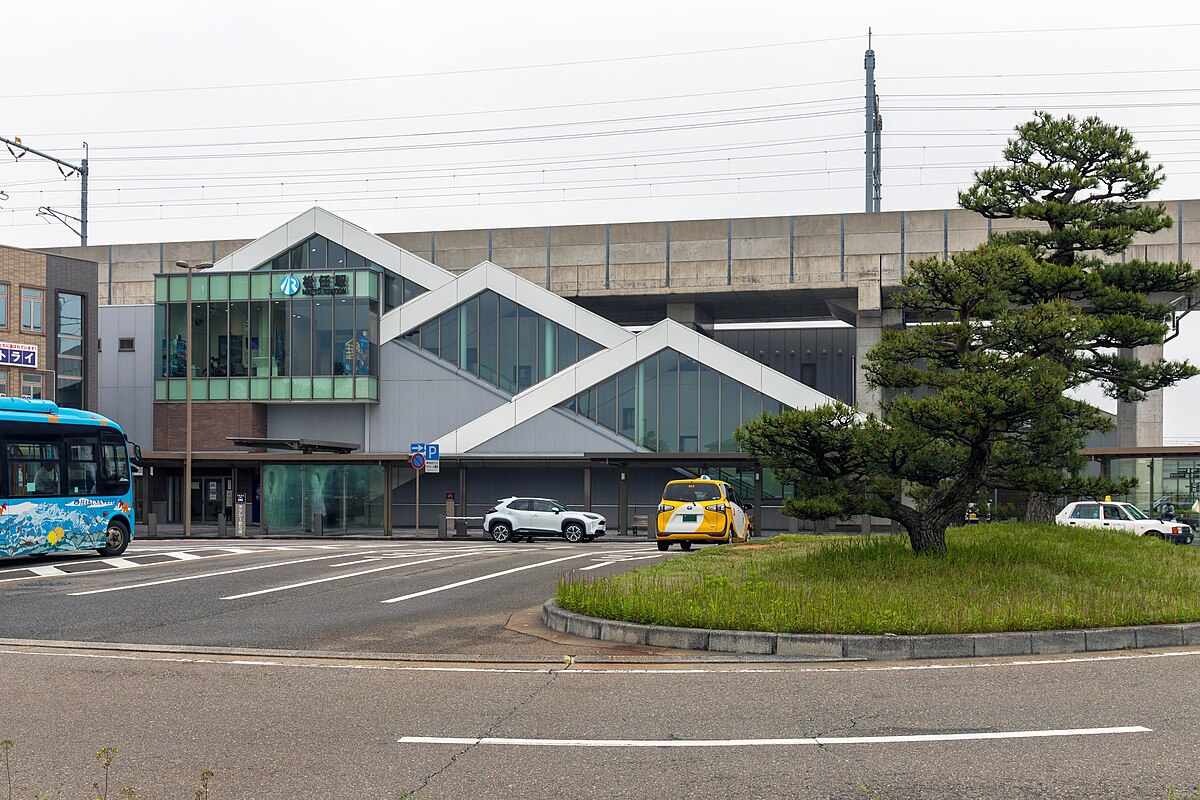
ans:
(870, 318)
(1141, 424)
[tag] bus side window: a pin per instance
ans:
(33, 469)
(81, 467)
(114, 463)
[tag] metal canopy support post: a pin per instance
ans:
(623, 501)
(587, 488)
(758, 509)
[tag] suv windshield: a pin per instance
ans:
(1134, 511)
(692, 492)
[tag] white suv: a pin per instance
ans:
(1123, 516)
(514, 517)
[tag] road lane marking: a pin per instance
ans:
(621, 561)
(558, 668)
(181, 555)
(457, 584)
(120, 563)
(204, 575)
(46, 571)
(347, 575)
(823, 741)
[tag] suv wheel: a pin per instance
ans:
(573, 532)
(501, 532)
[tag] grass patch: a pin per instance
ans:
(996, 577)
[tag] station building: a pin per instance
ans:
(330, 341)
(588, 362)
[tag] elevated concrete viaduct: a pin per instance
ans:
(703, 272)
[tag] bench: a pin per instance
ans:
(641, 521)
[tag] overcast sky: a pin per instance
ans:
(219, 119)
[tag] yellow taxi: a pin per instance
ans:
(701, 510)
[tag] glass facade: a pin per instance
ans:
(348, 497)
(505, 344)
(318, 253)
(672, 403)
(70, 355)
(1161, 481)
(303, 326)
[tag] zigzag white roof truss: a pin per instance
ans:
(319, 221)
(622, 349)
(571, 381)
(487, 275)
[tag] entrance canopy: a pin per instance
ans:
(307, 446)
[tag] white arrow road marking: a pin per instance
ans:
(820, 740)
(448, 586)
(400, 565)
(206, 575)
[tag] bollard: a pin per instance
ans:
(152, 525)
(222, 526)
(460, 527)
(318, 524)
(442, 533)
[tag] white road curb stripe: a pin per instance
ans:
(823, 741)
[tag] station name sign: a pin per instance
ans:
(19, 355)
(315, 285)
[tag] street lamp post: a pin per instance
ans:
(187, 369)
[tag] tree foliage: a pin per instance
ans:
(976, 393)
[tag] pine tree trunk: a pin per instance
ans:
(1040, 508)
(928, 536)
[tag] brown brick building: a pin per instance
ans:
(48, 327)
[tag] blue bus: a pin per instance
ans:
(65, 482)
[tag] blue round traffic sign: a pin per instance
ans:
(416, 460)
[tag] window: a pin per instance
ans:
(33, 311)
(114, 463)
(3, 382)
(691, 492)
(125, 345)
(521, 505)
(33, 469)
(1086, 511)
(81, 467)
(69, 363)
(1114, 512)
(31, 386)
(3, 305)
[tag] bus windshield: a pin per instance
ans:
(65, 481)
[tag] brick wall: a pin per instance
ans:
(211, 423)
(25, 268)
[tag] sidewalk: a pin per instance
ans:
(174, 530)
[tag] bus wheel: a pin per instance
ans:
(116, 539)
(662, 546)
(685, 545)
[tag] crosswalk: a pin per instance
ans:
(76, 564)
(360, 558)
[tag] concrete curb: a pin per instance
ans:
(887, 647)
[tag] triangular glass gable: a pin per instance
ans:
(318, 253)
(672, 403)
(501, 342)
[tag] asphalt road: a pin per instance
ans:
(349, 596)
(534, 714)
(312, 728)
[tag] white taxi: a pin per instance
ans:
(701, 510)
(1125, 517)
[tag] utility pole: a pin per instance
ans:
(874, 134)
(81, 168)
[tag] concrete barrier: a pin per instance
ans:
(887, 647)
